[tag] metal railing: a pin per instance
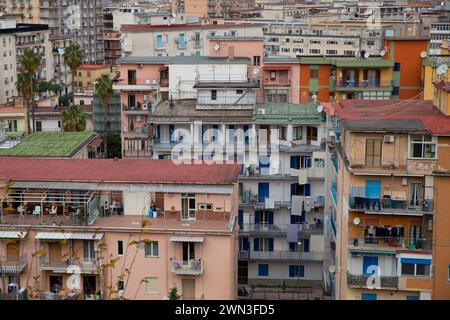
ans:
(285, 255)
(391, 205)
(395, 242)
(193, 267)
(279, 228)
(11, 265)
(362, 83)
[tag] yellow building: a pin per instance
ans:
(87, 74)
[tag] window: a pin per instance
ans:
(120, 287)
(395, 91)
(262, 244)
(213, 94)
(39, 126)
(331, 51)
(120, 248)
(349, 52)
(298, 133)
(159, 43)
(12, 125)
(397, 66)
(297, 271)
(282, 133)
(314, 51)
(151, 285)
(256, 60)
(415, 267)
(373, 152)
(370, 42)
(422, 147)
(311, 133)
(188, 207)
(273, 75)
(448, 272)
(263, 270)
(88, 251)
(151, 249)
(239, 91)
(314, 73)
(314, 41)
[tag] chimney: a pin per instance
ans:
(230, 53)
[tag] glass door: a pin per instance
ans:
(188, 252)
(188, 207)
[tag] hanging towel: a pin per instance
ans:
(292, 232)
(270, 203)
(296, 205)
(303, 176)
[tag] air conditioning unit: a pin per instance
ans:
(261, 111)
(140, 65)
(389, 139)
(144, 106)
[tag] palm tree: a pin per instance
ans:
(73, 119)
(25, 91)
(73, 58)
(104, 89)
(30, 62)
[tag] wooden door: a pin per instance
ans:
(188, 289)
(12, 251)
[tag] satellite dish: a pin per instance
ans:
(255, 71)
(174, 15)
(332, 268)
(366, 55)
(172, 20)
(382, 53)
(442, 69)
(356, 221)
(320, 108)
(423, 54)
(217, 46)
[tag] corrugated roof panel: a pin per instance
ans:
(12, 234)
(69, 236)
(186, 239)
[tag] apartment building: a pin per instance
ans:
(385, 205)
(87, 74)
(169, 225)
(178, 39)
(203, 8)
(62, 73)
(15, 38)
(82, 22)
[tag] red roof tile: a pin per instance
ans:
(119, 170)
(423, 110)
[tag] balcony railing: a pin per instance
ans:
(276, 83)
(62, 266)
(412, 206)
(395, 242)
(362, 83)
(360, 281)
(279, 229)
(193, 267)
(285, 255)
(8, 265)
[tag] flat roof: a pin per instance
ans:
(116, 170)
(25, 27)
(151, 28)
(281, 59)
(50, 144)
(183, 60)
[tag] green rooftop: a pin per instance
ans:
(286, 113)
(49, 144)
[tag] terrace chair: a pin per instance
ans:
(53, 210)
(37, 211)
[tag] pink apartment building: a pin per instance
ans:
(126, 228)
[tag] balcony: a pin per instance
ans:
(392, 206)
(333, 191)
(344, 85)
(394, 243)
(360, 281)
(285, 255)
(267, 83)
(46, 263)
(193, 267)
(278, 229)
(137, 85)
(13, 266)
(137, 109)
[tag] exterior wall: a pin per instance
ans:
(7, 68)
(86, 77)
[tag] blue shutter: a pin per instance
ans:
(368, 296)
(367, 262)
(159, 41)
(256, 244)
(294, 162)
(301, 270)
(270, 214)
(291, 246)
(245, 244)
(373, 189)
(308, 162)
(292, 271)
(263, 269)
(306, 245)
(256, 217)
(263, 191)
(270, 244)
(412, 297)
(307, 190)
(293, 189)
(241, 217)
(416, 261)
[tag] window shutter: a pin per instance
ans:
(270, 244)
(270, 215)
(291, 271)
(301, 271)
(151, 285)
(256, 244)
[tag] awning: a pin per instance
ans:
(55, 185)
(165, 68)
(95, 143)
(68, 236)
(415, 261)
(270, 68)
(186, 239)
(169, 188)
(12, 234)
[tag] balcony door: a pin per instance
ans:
(369, 261)
(415, 194)
(372, 77)
(188, 252)
(88, 251)
(188, 207)
(12, 251)
(131, 77)
(54, 252)
(373, 152)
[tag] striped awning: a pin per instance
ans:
(186, 239)
(12, 234)
(170, 188)
(69, 236)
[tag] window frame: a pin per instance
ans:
(120, 248)
(149, 249)
(434, 141)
